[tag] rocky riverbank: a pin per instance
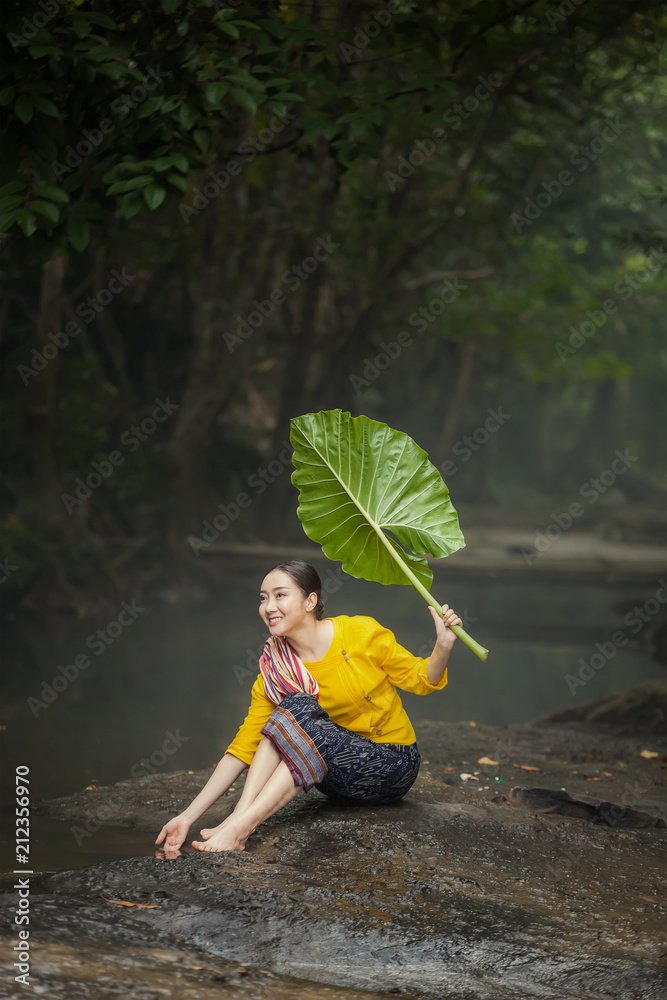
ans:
(452, 892)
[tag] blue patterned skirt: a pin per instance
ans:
(345, 766)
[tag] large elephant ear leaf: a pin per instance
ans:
(359, 479)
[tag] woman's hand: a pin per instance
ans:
(176, 830)
(445, 637)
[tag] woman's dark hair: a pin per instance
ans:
(307, 580)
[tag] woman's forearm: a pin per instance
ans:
(437, 663)
(226, 772)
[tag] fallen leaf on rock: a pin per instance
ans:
(449, 768)
(526, 767)
(608, 774)
(124, 902)
(591, 777)
(473, 724)
(468, 777)
(91, 788)
(648, 754)
(426, 762)
(487, 760)
(648, 899)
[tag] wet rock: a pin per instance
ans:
(640, 709)
(450, 892)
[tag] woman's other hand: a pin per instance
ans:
(176, 830)
(445, 637)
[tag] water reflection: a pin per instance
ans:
(171, 688)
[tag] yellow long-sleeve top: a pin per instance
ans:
(358, 692)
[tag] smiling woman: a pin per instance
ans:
(324, 712)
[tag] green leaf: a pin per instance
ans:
(52, 192)
(11, 188)
(7, 220)
(46, 106)
(229, 29)
(287, 97)
(246, 80)
(215, 92)
(78, 233)
(149, 107)
(46, 208)
(359, 479)
(178, 181)
(27, 221)
(201, 138)
(662, 58)
(243, 98)
(103, 20)
(10, 202)
(154, 195)
(6, 96)
(169, 6)
(114, 70)
(131, 204)
(187, 115)
(24, 109)
(121, 187)
(37, 51)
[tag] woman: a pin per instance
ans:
(324, 712)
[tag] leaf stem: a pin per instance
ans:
(428, 597)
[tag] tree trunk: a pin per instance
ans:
(459, 400)
(42, 388)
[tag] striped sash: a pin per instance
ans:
(283, 671)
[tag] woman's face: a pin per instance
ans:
(282, 606)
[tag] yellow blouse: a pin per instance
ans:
(357, 681)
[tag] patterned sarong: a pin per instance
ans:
(341, 764)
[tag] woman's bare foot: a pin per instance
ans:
(232, 838)
(209, 832)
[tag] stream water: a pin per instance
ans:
(167, 687)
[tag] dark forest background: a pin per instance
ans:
(169, 167)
